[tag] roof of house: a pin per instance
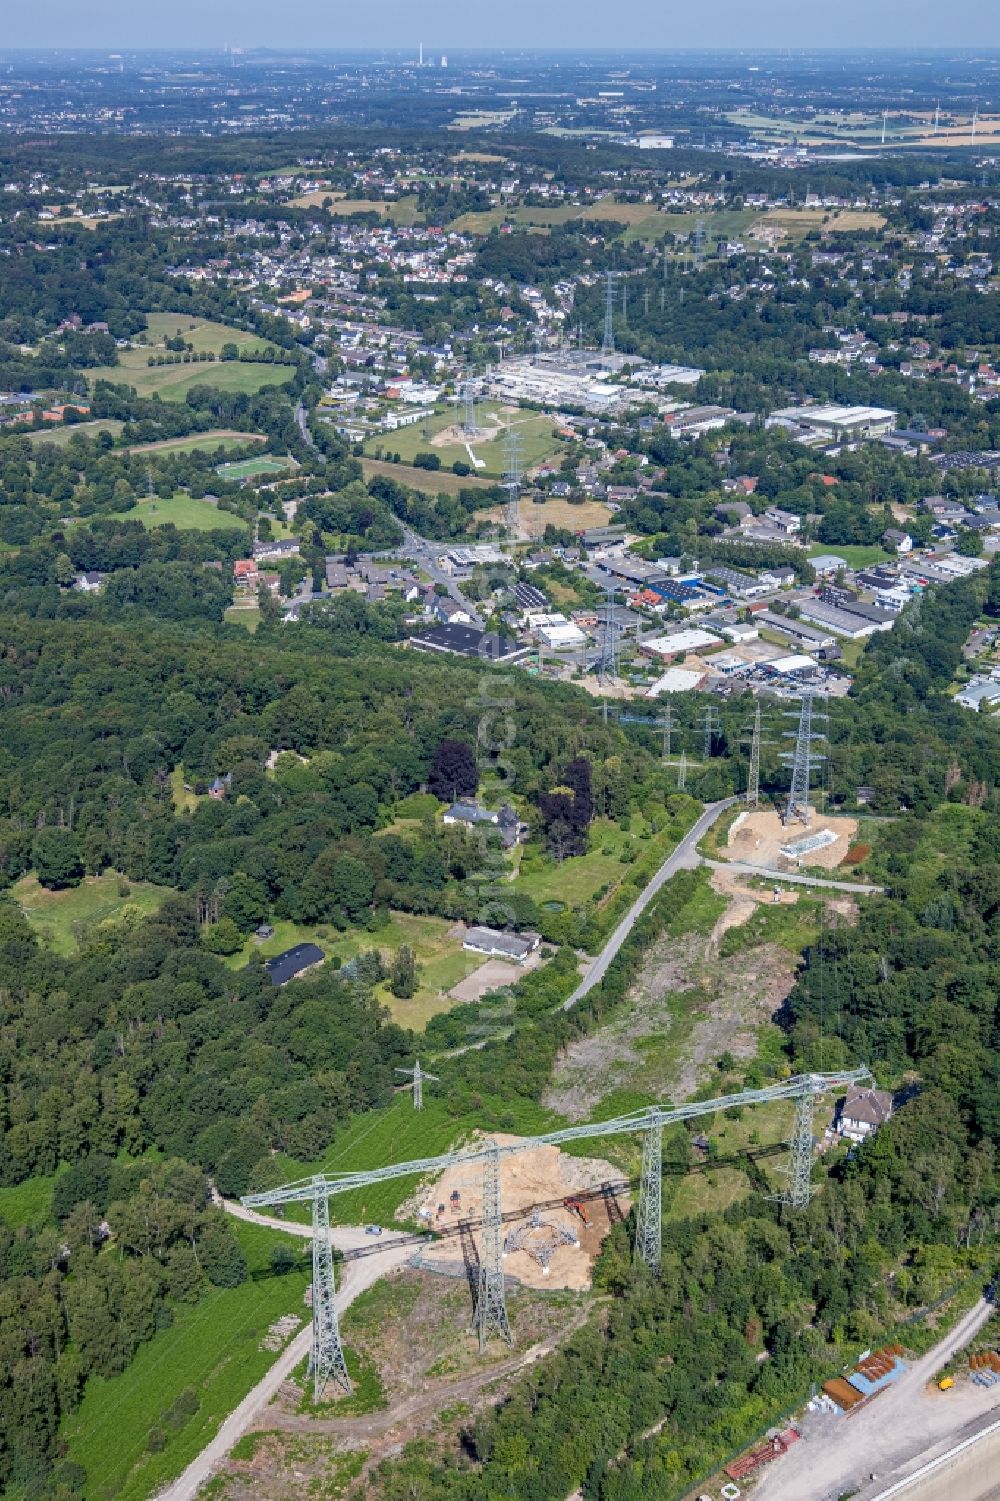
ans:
(284, 967)
(492, 941)
(870, 1106)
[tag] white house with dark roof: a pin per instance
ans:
(862, 1111)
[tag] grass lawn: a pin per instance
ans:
(206, 336)
(430, 482)
(184, 512)
(856, 556)
(537, 434)
(227, 438)
(247, 615)
(575, 880)
(63, 919)
(248, 468)
(183, 800)
(402, 211)
(172, 382)
(61, 434)
(441, 960)
(714, 1185)
(27, 1203)
(212, 1347)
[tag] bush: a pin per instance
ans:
(156, 1441)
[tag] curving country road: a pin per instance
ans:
(683, 857)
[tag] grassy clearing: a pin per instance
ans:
(27, 1203)
(538, 440)
(60, 435)
(247, 615)
(577, 880)
(206, 336)
(713, 1185)
(441, 960)
(63, 920)
(227, 438)
(173, 382)
(561, 513)
(402, 1134)
(213, 1348)
(436, 482)
(184, 512)
(184, 801)
(855, 555)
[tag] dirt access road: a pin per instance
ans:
(683, 857)
(837, 1455)
(357, 1276)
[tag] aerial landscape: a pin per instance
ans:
(499, 754)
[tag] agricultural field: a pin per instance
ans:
(796, 223)
(537, 433)
(402, 211)
(223, 437)
(430, 482)
(184, 512)
(561, 513)
(860, 129)
(213, 1348)
(252, 468)
(64, 919)
(60, 434)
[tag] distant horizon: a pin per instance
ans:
(193, 25)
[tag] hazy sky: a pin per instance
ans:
(441, 24)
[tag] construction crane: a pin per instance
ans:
(327, 1358)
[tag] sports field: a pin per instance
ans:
(250, 468)
(184, 512)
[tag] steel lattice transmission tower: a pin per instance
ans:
(798, 1189)
(802, 759)
(491, 1306)
(469, 426)
(607, 667)
(682, 772)
(711, 726)
(699, 242)
(608, 346)
(418, 1075)
(753, 778)
(326, 1358)
(649, 1214)
(512, 479)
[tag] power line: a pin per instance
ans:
(608, 346)
(418, 1075)
(512, 479)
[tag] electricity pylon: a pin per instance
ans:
(649, 1212)
(711, 727)
(326, 1358)
(802, 759)
(682, 772)
(418, 1075)
(491, 1306)
(512, 479)
(753, 779)
(469, 426)
(608, 346)
(666, 723)
(798, 1190)
(607, 667)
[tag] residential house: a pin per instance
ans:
(496, 945)
(862, 1111)
(474, 815)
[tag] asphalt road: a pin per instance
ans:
(684, 857)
